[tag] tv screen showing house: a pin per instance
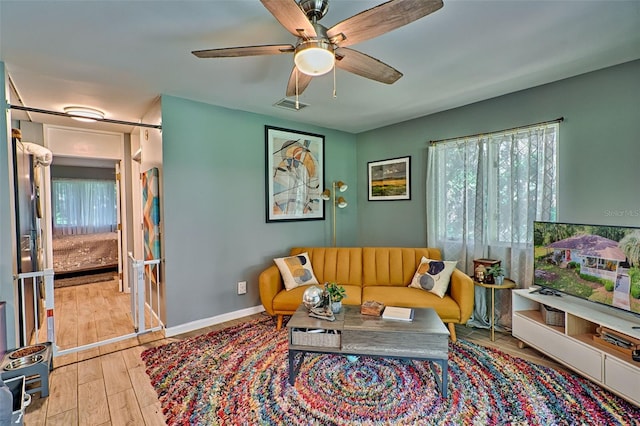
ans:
(599, 263)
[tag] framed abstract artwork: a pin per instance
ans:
(151, 220)
(390, 179)
(294, 175)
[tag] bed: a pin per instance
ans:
(87, 252)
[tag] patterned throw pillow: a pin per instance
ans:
(433, 275)
(296, 270)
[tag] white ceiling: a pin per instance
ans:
(119, 56)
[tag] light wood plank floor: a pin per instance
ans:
(110, 386)
(90, 313)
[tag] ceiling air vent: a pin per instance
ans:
(290, 104)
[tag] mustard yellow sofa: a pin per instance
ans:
(371, 273)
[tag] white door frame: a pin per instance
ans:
(92, 146)
(120, 189)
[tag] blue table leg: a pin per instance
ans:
(294, 368)
(445, 377)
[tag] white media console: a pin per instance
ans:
(574, 345)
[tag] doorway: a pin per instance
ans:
(87, 255)
(93, 308)
(84, 222)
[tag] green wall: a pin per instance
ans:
(599, 155)
(214, 206)
(214, 178)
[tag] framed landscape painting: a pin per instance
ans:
(390, 179)
(294, 175)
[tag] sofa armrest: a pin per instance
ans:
(462, 291)
(270, 284)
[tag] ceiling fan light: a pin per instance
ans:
(84, 114)
(314, 57)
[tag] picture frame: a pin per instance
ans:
(389, 180)
(294, 178)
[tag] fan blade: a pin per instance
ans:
(366, 66)
(232, 52)
(380, 19)
(303, 82)
(290, 16)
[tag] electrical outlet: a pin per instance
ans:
(242, 287)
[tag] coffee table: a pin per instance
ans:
(424, 338)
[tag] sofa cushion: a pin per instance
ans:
(289, 300)
(393, 266)
(342, 265)
(296, 270)
(433, 275)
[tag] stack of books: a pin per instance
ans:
(397, 313)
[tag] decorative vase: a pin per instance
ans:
(336, 306)
(479, 273)
(499, 279)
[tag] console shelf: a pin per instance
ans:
(573, 344)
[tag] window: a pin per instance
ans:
(83, 206)
(483, 195)
(484, 192)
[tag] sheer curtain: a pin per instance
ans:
(483, 194)
(83, 206)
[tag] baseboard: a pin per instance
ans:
(206, 322)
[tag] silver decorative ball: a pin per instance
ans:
(312, 297)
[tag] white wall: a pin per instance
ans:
(151, 156)
(83, 143)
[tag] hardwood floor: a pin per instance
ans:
(109, 386)
(89, 313)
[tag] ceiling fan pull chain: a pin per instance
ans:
(335, 94)
(297, 102)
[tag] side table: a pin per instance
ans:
(505, 285)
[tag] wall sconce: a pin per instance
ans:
(340, 202)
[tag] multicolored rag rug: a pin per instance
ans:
(239, 376)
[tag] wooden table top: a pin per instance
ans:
(506, 284)
(425, 320)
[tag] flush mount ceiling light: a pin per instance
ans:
(84, 114)
(314, 57)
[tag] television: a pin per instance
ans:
(600, 263)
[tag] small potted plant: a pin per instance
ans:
(497, 272)
(336, 294)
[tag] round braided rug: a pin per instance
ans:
(239, 375)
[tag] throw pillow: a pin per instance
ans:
(433, 275)
(296, 270)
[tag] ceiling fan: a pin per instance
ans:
(318, 49)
